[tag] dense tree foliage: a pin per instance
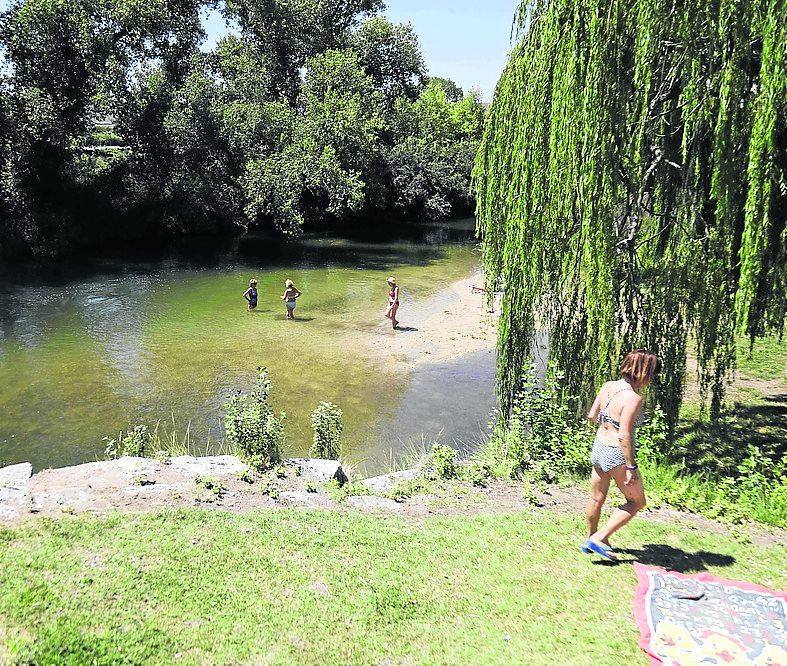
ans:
(632, 186)
(314, 111)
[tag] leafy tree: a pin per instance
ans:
(391, 56)
(333, 143)
(632, 187)
(289, 32)
(452, 91)
(315, 112)
(431, 161)
(65, 56)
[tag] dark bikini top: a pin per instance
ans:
(604, 417)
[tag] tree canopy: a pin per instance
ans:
(117, 124)
(632, 187)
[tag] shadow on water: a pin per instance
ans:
(670, 558)
(364, 246)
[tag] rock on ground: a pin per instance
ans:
(14, 489)
(320, 470)
(384, 483)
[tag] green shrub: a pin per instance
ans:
(211, 484)
(327, 424)
(476, 472)
(310, 487)
(544, 440)
(163, 456)
(252, 428)
(339, 493)
(135, 442)
(403, 489)
(270, 489)
(442, 462)
(246, 475)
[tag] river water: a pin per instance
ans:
(88, 350)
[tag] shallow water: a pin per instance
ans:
(88, 351)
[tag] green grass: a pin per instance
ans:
(301, 587)
(766, 361)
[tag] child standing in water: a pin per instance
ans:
(290, 294)
(251, 294)
(393, 301)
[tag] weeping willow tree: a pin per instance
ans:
(632, 187)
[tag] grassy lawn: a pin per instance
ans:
(310, 587)
(766, 360)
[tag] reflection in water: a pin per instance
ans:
(452, 402)
(87, 353)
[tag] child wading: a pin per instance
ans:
(393, 301)
(290, 294)
(251, 294)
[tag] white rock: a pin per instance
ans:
(384, 483)
(14, 491)
(15, 476)
(320, 470)
(300, 497)
(217, 466)
(133, 465)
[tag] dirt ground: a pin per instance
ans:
(222, 483)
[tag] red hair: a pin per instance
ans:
(639, 366)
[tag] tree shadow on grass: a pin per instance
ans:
(714, 448)
(671, 558)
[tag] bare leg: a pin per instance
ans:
(635, 501)
(394, 322)
(599, 487)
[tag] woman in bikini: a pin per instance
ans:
(393, 301)
(617, 411)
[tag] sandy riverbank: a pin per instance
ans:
(446, 326)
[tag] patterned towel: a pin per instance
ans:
(702, 620)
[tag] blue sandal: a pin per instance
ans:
(599, 549)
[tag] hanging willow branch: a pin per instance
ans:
(632, 187)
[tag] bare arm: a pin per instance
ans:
(246, 294)
(592, 415)
(628, 416)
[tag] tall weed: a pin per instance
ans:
(252, 428)
(328, 425)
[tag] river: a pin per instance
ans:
(88, 350)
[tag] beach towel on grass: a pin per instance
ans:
(701, 620)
